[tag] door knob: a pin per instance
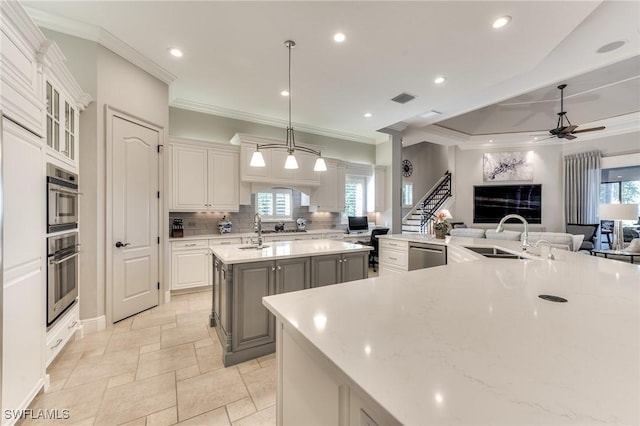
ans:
(119, 244)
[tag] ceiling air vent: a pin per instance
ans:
(403, 98)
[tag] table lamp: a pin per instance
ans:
(618, 213)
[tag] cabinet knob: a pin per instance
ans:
(340, 260)
(345, 260)
(273, 268)
(279, 268)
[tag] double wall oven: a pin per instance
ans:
(62, 247)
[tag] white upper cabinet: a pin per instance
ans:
(274, 171)
(190, 177)
(64, 100)
(20, 72)
(204, 178)
(329, 196)
(223, 180)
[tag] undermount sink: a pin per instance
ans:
(253, 247)
(493, 252)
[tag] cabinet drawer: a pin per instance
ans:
(395, 258)
(60, 334)
(394, 244)
(189, 244)
(225, 241)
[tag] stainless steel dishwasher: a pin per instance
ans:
(424, 255)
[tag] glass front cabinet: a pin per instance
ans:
(62, 122)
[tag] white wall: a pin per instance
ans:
(547, 169)
(383, 158)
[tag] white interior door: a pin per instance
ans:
(135, 205)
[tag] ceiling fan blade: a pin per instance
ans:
(569, 129)
(570, 136)
(592, 129)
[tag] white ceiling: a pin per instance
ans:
(235, 62)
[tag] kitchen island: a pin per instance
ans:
(244, 274)
(466, 343)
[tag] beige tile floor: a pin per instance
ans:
(160, 367)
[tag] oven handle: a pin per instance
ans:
(57, 262)
(64, 191)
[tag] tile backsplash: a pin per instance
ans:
(207, 222)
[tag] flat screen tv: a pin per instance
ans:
(358, 223)
(493, 202)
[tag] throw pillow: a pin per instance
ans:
(634, 246)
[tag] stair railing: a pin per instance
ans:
(434, 199)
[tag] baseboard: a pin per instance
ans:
(167, 296)
(93, 325)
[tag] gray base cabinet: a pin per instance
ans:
(245, 328)
(338, 268)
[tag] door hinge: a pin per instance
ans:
(158, 285)
(158, 240)
(159, 146)
(158, 194)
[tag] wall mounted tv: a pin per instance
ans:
(492, 202)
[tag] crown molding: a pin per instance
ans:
(269, 121)
(102, 37)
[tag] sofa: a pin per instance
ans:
(556, 239)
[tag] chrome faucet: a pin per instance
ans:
(525, 239)
(257, 223)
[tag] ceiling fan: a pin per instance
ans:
(567, 132)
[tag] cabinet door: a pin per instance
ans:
(23, 308)
(278, 172)
(325, 270)
(190, 268)
(355, 266)
(254, 174)
(305, 175)
(225, 297)
(325, 197)
(223, 181)
(189, 178)
(293, 274)
(340, 183)
(253, 324)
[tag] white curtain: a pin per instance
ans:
(582, 187)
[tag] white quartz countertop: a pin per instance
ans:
(472, 343)
(255, 234)
(232, 253)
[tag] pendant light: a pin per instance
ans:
(257, 160)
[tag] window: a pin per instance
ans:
(407, 194)
(274, 204)
(620, 185)
(355, 196)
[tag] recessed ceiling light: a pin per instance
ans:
(619, 177)
(490, 140)
(339, 37)
(367, 115)
(284, 93)
(611, 46)
(175, 52)
(535, 138)
(501, 22)
(440, 79)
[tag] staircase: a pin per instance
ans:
(419, 218)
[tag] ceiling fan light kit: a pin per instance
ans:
(567, 132)
(257, 160)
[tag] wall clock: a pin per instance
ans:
(407, 168)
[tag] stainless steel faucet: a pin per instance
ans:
(525, 239)
(257, 223)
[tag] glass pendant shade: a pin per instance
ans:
(257, 160)
(291, 162)
(320, 165)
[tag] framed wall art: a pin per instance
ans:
(508, 166)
